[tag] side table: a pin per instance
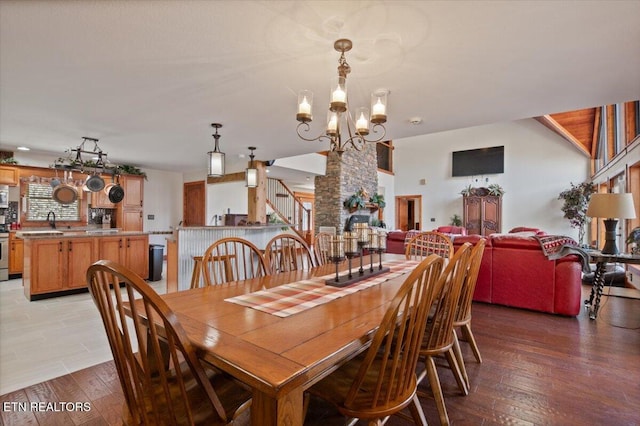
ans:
(601, 261)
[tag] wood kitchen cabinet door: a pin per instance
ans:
(110, 248)
(133, 191)
(132, 220)
(137, 254)
(8, 176)
(16, 254)
(47, 265)
(81, 253)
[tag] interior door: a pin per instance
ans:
(193, 204)
(408, 212)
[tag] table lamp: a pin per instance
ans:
(611, 207)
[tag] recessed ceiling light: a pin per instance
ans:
(415, 120)
(23, 148)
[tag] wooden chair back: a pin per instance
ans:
(232, 259)
(154, 359)
(463, 313)
(288, 252)
(430, 242)
(321, 244)
(438, 336)
(386, 380)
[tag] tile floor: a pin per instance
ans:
(44, 339)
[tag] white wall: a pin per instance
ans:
(539, 164)
(226, 197)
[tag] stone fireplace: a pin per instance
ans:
(344, 176)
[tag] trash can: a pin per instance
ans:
(156, 252)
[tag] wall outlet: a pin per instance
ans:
(151, 216)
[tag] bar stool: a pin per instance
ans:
(195, 275)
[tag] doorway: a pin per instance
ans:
(193, 204)
(408, 212)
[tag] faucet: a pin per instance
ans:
(52, 223)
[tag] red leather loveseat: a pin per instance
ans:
(396, 239)
(515, 272)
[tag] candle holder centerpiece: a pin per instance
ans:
(336, 253)
(352, 244)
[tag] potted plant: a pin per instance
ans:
(634, 240)
(378, 199)
(495, 189)
(356, 201)
(455, 220)
(576, 201)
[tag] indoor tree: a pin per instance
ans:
(576, 201)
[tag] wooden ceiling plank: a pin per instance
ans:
(551, 123)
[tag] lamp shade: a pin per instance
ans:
(612, 206)
(251, 178)
(216, 163)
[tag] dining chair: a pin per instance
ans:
(232, 259)
(382, 381)
(438, 337)
(288, 252)
(462, 317)
(321, 244)
(162, 379)
(429, 242)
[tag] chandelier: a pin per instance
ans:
(339, 116)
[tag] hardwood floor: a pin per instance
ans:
(538, 369)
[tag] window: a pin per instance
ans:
(384, 151)
(40, 203)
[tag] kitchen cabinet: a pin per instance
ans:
(130, 251)
(56, 264)
(100, 200)
(8, 176)
(16, 253)
(59, 264)
(129, 212)
(482, 212)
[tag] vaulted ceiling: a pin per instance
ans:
(148, 78)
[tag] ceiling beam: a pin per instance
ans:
(552, 124)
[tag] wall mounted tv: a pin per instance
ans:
(475, 162)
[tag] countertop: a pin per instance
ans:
(71, 233)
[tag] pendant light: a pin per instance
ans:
(251, 174)
(216, 158)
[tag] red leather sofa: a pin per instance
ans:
(515, 272)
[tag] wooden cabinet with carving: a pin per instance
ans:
(16, 254)
(482, 212)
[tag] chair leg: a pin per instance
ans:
(457, 372)
(468, 335)
(458, 353)
(436, 389)
(416, 411)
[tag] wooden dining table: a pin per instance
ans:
(281, 356)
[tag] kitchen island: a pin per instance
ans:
(56, 262)
(189, 241)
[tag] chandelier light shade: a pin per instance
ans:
(216, 158)
(339, 116)
(611, 207)
(251, 173)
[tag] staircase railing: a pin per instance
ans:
(289, 208)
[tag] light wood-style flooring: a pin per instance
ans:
(538, 369)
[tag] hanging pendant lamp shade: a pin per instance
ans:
(251, 174)
(216, 158)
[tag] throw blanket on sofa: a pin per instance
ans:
(558, 246)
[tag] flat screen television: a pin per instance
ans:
(475, 162)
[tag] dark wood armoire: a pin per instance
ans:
(482, 212)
